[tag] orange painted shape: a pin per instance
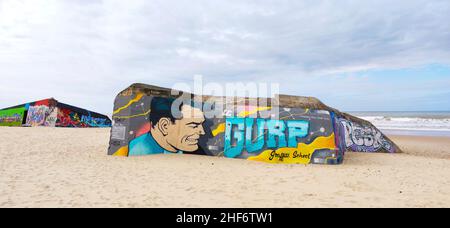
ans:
(123, 151)
(300, 155)
(220, 129)
(248, 113)
(137, 98)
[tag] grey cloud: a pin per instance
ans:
(96, 48)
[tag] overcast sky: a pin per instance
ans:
(353, 55)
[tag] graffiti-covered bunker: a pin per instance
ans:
(302, 129)
(51, 113)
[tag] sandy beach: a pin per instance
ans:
(57, 167)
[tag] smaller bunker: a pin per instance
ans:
(51, 113)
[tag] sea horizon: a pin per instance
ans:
(420, 123)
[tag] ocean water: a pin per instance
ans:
(409, 123)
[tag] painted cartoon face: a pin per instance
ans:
(185, 133)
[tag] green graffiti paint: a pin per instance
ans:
(12, 117)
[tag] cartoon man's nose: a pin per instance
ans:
(202, 131)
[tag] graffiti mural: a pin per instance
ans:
(144, 124)
(50, 120)
(12, 117)
(51, 113)
(69, 118)
(95, 122)
(167, 134)
(297, 136)
(41, 113)
(148, 120)
(37, 115)
(362, 138)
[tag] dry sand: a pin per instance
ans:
(55, 167)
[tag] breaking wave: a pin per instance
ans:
(409, 123)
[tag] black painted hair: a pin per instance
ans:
(161, 107)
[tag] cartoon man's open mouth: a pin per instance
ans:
(192, 140)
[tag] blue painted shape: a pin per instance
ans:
(276, 129)
(146, 145)
(258, 144)
(297, 129)
(235, 151)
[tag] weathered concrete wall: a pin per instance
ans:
(288, 130)
(51, 113)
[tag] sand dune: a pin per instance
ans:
(48, 167)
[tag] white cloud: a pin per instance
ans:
(84, 52)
